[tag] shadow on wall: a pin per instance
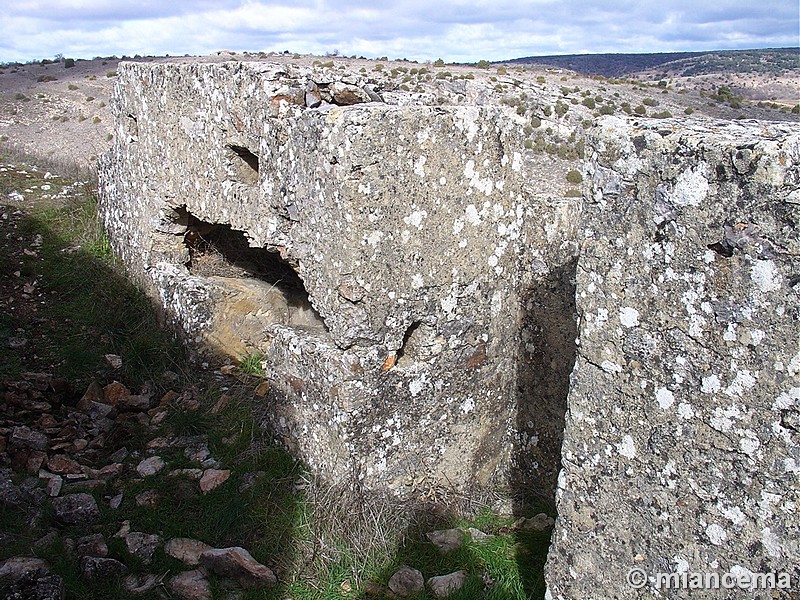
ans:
(545, 360)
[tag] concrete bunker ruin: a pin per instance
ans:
(436, 316)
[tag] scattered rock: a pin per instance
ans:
(138, 585)
(540, 522)
(49, 587)
(186, 550)
(406, 581)
(248, 480)
(150, 466)
(114, 360)
(223, 401)
(476, 535)
(190, 585)
(346, 95)
(94, 393)
(91, 545)
(54, 485)
(444, 585)
(100, 569)
(116, 501)
(76, 509)
(16, 568)
(10, 495)
(46, 540)
(147, 498)
(113, 392)
(213, 478)
(142, 545)
(446, 540)
(25, 437)
(61, 464)
(237, 564)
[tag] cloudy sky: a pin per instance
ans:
(455, 30)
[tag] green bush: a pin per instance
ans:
(438, 63)
(640, 110)
(561, 109)
(588, 103)
(574, 177)
(650, 102)
(483, 64)
(688, 110)
(69, 63)
(72, 87)
(536, 122)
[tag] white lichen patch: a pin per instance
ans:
(765, 275)
(716, 534)
(665, 398)
(691, 187)
(627, 447)
(711, 384)
(416, 218)
(629, 316)
(743, 381)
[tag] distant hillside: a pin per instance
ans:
(769, 60)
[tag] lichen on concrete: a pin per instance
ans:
(436, 311)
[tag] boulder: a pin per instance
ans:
(237, 564)
(76, 510)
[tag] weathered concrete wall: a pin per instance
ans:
(407, 226)
(681, 448)
(422, 324)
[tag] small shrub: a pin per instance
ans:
(111, 74)
(688, 110)
(574, 177)
(589, 103)
(46, 78)
(483, 64)
(664, 114)
(96, 120)
(20, 96)
(561, 109)
(72, 87)
(251, 364)
(89, 98)
(640, 110)
(572, 193)
(536, 122)
(796, 109)
(438, 63)
(502, 71)
(650, 102)
(548, 111)
(102, 104)
(69, 63)
(607, 110)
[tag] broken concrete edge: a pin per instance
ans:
(323, 203)
(681, 441)
(419, 269)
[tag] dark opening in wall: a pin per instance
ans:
(416, 346)
(245, 164)
(546, 356)
(217, 250)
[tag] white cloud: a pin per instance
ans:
(455, 30)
